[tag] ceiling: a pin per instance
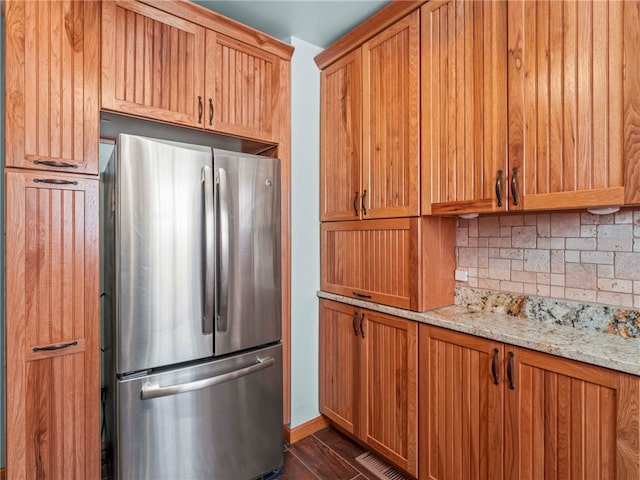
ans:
(317, 22)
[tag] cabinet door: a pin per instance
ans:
(389, 406)
(571, 122)
(464, 106)
(152, 63)
(52, 80)
(570, 420)
(460, 406)
(53, 389)
(341, 139)
(242, 88)
(391, 127)
(339, 363)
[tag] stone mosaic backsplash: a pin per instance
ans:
(600, 318)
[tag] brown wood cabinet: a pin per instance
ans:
(368, 379)
(177, 70)
(52, 326)
(491, 410)
(404, 262)
(382, 77)
(52, 67)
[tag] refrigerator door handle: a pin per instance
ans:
(209, 274)
(151, 390)
(224, 243)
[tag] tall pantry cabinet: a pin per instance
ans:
(52, 257)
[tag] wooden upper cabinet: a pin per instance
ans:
(242, 88)
(464, 106)
(152, 63)
(53, 323)
(574, 103)
(52, 85)
(391, 121)
(341, 139)
(565, 419)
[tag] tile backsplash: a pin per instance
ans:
(571, 256)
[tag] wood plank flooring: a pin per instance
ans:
(325, 455)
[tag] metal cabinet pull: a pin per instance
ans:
(54, 163)
(362, 325)
(208, 286)
(512, 384)
(200, 107)
(499, 188)
(364, 195)
(210, 111)
(361, 295)
(514, 186)
(54, 181)
(494, 366)
(355, 203)
(58, 346)
(354, 323)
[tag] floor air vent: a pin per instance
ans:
(380, 468)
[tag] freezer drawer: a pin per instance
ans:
(221, 420)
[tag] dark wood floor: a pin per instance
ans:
(325, 455)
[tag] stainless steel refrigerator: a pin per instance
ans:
(193, 243)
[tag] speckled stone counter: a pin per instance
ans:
(564, 340)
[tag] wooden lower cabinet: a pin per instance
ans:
(368, 379)
(493, 411)
(53, 326)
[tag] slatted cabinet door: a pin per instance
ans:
(152, 63)
(391, 121)
(565, 419)
(341, 142)
(53, 324)
(389, 388)
(242, 88)
(460, 406)
(52, 70)
(339, 364)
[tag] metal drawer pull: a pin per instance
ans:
(54, 163)
(514, 186)
(355, 203)
(200, 107)
(494, 366)
(210, 111)
(361, 295)
(58, 346)
(362, 325)
(499, 188)
(512, 384)
(354, 323)
(54, 181)
(153, 390)
(364, 208)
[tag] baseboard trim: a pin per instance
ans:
(292, 435)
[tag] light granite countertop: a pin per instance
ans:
(596, 348)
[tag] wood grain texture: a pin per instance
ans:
(292, 435)
(391, 121)
(323, 461)
(389, 394)
(631, 80)
(464, 109)
(53, 401)
(341, 139)
(152, 63)
(52, 84)
(567, 102)
(461, 407)
(244, 85)
(565, 419)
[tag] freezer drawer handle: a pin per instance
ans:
(58, 346)
(151, 390)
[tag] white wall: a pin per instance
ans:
(305, 230)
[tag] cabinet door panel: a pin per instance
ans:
(569, 420)
(52, 75)
(152, 63)
(341, 132)
(339, 364)
(52, 302)
(460, 407)
(389, 392)
(464, 109)
(391, 113)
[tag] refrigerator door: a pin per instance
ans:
(165, 253)
(248, 291)
(220, 420)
